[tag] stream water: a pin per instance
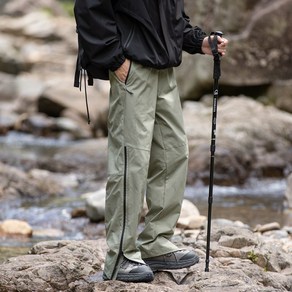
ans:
(256, 202)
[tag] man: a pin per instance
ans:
(136, 44)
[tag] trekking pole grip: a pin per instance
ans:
(213, 43)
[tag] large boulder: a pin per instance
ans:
(252, 139)
(255, 60)
(34, 184)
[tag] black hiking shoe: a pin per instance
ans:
(130, 271)
(174, 260)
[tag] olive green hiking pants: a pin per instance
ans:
(147, 155)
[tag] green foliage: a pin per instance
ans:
(68, 6)
(252, 256)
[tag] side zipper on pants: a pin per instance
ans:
(124, 209)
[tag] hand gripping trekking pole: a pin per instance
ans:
(216, 75)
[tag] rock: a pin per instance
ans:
(46, 233)
(88, 157)
(77, 266)
(251, 138)
(237, 241)
(288, 193)
(7, 121)
(95, 205)
(7, 87)
(190, 217)
(11, 60)
(268, 227)
(69, 126)
(280, 94)
(37, 124)
(69, 180)
(15, 227)
(29, 88)
(22, 7)
(192, 222)
(24, 49)
(78, 212)
(246, 53)
(189, 209)
(38, 25)
(59, 98)
(52, 266)
(15, 183)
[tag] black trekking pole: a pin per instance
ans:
(216, 75)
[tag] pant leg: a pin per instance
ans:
(130, 124)
(167, 170)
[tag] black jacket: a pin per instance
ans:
(111, 30)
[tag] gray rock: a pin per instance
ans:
(246, 53)
(7, 121)
(280, 94)
(16, 183)
(95, 205)
(51, 266)
(250, 138)
(268, 227)
(7, 87)
(21, 7)
(11, 60)
(288, 193)
(77, 266)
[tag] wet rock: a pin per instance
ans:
(15, 183)
(78, 212)
(88, 157)
(7, 121)
(37, 124)
(288, 193)
(15, 227)
(65, 180)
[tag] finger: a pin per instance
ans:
(222, 41)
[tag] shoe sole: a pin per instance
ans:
(162, 265)
(135, 277)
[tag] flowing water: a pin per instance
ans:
(256, 202)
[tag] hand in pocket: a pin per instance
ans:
(123, 71)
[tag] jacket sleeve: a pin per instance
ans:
(193, 37)
(98, 33)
